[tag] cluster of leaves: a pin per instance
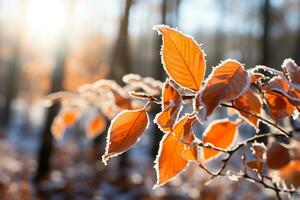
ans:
(229, 85)
(106, 95)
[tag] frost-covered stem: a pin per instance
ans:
(274, 125)
(231, 151)
(245, 175)
(153, 99)
(210, 146)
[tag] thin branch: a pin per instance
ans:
(274, 125)
(231, 151)
(191, 96)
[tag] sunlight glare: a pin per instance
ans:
(45, 19)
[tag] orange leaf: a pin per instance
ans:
(191, 153)
(96, 126)
(292, 71)
(69, 116)
(277, 156)
(121, 101)
(249, 101)
(171, 107)
(291, 173)
(182, 58)
(281, 86)
(220, 133)
(170, 161)
(58, 127)
(279, 105)
(227, 82)
(124, 131)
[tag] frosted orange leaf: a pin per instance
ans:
(182, 58)
(279, 105)
(292, 71)
(291, 173)
(171, 107)
(96, 126)
(278, 85)
(124, 131)
(281, 86)
(251, 102)
(220, 133)
(170, 161)
(227, 82)
(277, 156)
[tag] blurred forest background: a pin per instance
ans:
(53, 45)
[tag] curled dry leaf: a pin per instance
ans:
(220, 133)
(96, 126)
(124, 131)
(249, 101)
(58, 97)
(148, 84)
(171, 107)
(182, 58)
(170, 161)
(227, 82)
(256, 165)
(279, 105)
(292, 72)
(258, 149)
(277, 156)
(120, 96)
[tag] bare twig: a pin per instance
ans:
(274, 125)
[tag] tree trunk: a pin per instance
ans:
(266, 22)
(46, 137)
(219, 37)
(12, 86)
(13, 69)
(120, 58)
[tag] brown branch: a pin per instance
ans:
(231, 151)
(191, 96)
(274, 125)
